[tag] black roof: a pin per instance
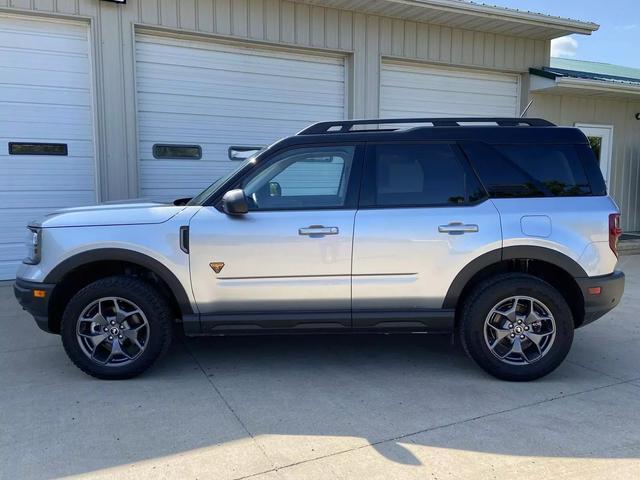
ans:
(487, 130)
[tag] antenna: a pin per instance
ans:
(524, 112)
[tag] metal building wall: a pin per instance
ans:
(364, 38)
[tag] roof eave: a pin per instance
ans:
(547, 82)
(464, 15)
(569, 25)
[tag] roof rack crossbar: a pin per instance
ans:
(345, 126)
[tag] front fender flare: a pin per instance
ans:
(124, 255)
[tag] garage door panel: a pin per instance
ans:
(215, 112)
(42, 39)
(53, 95)
(53, 199)
(421, 90)
(217, 95)
(399, 95)
(44, 97)
(298, 90)
(57, 114)
(221, 58)
(39, 77)
(48, 61)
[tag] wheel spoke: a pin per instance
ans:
(132, 336)
(116, 349)
(536, 338)
(501, 334)
(516, 348)
(99, 319)
(96, 340)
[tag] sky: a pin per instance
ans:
(617, 41)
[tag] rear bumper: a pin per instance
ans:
(38, 307)
(611, 290)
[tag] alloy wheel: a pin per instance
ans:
(519, 330)
(112, 331)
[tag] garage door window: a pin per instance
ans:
(177, 152)
(302, 178)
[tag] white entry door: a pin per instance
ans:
(601, 141)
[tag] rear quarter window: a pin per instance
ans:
(535, 170)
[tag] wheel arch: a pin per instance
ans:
(113, 260)
(552, 266)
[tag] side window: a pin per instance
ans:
(408, 175)
(302, 178)
(557, 167)
(529, 170)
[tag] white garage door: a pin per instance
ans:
(212, 96)
(426, 91)
(45, 98)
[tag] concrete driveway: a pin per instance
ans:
(327, 407)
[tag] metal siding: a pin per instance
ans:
(45, 96)
(625, 174)
(408, 90)
(216, 95)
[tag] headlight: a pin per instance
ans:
(34, 246)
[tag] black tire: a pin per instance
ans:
(482, 299)
(147, 298)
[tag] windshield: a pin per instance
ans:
(206, 193)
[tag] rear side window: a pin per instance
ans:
(530, 170)
(410, 175)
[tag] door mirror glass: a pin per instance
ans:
(235, 202)
(275, 190)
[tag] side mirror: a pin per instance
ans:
(275, 190)
(234, 202)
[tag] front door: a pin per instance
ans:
(601, 141)
(287, 262)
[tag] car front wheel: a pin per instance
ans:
(116, 327)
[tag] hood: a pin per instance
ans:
(117, 213)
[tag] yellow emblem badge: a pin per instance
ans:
(216, 266)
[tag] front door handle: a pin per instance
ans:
(458, 228)
(318, 230)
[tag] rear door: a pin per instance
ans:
(422, 218)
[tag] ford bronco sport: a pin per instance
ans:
(499, 231)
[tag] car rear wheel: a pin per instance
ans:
(516, 327)
(116, 327)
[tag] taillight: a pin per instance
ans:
(614, 232)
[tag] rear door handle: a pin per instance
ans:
(318, 230)
(458, 228)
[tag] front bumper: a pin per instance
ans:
(37, 306)
(611, 290)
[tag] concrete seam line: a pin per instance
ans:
(228, 405)
(439, 427)
(596, 371)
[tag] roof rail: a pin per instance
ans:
(345, 126)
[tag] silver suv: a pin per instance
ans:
(499, 231)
